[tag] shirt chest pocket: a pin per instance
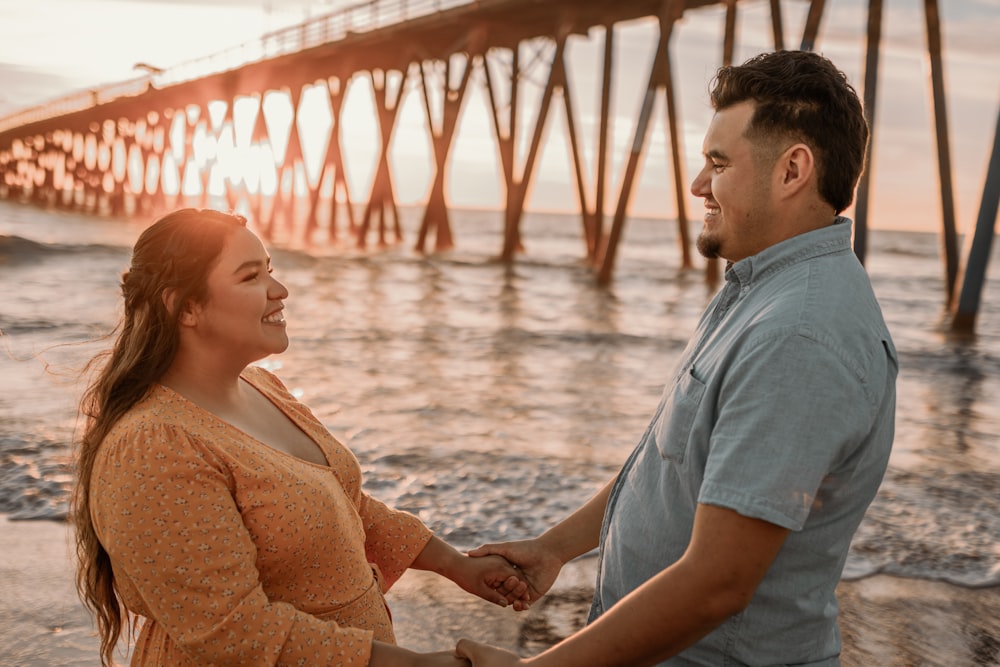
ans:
(673, 430)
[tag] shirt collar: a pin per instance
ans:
(835, 237)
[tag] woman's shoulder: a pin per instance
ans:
(153, 410)
(161, 424)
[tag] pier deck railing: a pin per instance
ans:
(316, 31)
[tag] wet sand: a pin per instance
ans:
(885, 621)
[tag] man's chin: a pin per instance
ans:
(708, 246)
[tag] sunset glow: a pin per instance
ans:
(905, 193)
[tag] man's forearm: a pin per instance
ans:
(725, 561)
(580, 531)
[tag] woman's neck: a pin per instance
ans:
(205, 384)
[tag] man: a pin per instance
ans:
(724, 536)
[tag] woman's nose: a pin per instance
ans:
(278, 290)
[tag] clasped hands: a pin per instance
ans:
(535, 570)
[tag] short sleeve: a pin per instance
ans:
(789, 412)
(393, 538)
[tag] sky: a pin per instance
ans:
(50, 48)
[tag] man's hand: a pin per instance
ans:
(493, 579)
(538, 567)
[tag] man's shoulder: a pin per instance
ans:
(832, 291)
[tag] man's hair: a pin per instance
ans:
(801, 96)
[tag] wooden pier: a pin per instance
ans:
(172, 137)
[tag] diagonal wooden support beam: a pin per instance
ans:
(596, 226)
(949, 235)
(729, 33)
(659, 76)
(340, 176)
(777, 28)
(964, 315)
(505, 134)
(517, 185)
(676, 139)
(871, 87)
(812, 25)
(333, 163)
(259, 136)
(587, 214)
(293, 157)
(442, 135)
(382, 200)
(233, 189)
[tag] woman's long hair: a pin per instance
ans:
(172, 258)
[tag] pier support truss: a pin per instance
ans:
(157, 143)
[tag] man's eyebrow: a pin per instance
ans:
(716, 154)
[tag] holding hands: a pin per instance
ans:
(538, 562)
(494, 579)
(490, 577)
(536, 566)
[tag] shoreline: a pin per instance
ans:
(886, 621)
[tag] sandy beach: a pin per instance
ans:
(885, 621)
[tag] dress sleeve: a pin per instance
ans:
(393, 539)
(163, 507)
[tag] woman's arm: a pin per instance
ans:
(491, 578)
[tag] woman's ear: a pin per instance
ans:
(186, 317)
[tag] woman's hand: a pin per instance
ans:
(390, 655)
(484, 655)
(537, 566)
(493, 579)
(441, 659)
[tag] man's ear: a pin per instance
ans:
(797, 167)
(170, 302)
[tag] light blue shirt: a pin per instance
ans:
(782, 408)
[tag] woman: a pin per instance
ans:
(215, 507)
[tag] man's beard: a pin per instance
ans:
(708, 245)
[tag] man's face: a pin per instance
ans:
(736, 189)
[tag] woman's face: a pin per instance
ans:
(242, 316)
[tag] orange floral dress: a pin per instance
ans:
(235, 553)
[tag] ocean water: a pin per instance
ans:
(491, 400)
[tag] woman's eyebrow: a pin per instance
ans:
(253, 263)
